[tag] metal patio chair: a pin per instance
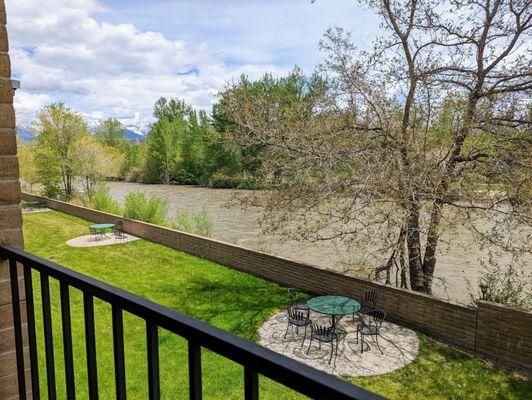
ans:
(118, 231)
(297, 318)
(324, 334)
(297, 302)
(368, 304)
(94, 234)
(372, 328)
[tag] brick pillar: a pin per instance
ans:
(10, 217)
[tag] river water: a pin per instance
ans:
(235, 224)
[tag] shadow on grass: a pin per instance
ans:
(239, 306)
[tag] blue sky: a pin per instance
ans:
(115, 57)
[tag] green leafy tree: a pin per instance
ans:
(93, 162)
(175, 144)
(110, 132)
(58, 128)
(171, 110)
(133, 161)
(162, 150)
(427, 130)
(28, 169)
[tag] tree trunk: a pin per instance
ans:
(433, 235)
(401, 251)
(413, 245)
(67, 182)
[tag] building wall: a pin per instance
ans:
(448, 322)
(10, 216)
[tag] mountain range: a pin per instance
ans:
(132, 133)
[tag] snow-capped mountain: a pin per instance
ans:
(26, 133)
(135, 133)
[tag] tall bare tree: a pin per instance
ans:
(428, 128)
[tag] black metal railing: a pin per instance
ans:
(255, 359)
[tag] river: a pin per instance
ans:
(239, 225)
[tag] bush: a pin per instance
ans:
(52, 190)
(102, 200)
(151, 209)
(508, 285)
(192, 222)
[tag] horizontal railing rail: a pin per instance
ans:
(255, 359)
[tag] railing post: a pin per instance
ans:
(32, 337)
(48, 336)
(17, 325)
(90, 344)
(152, 339)
(67, 341)
(251, 384)
(118, 346)
(194, 370)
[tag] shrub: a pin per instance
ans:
(508, 285)
(189, 221)
(152, 209)
(102, 200)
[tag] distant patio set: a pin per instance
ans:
(340, 335)
(103, 234)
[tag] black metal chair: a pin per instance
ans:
(324, 334)
(118, 231)
(372, 328)
(95, 234)
(297, 318)
(297, 302)
(369, 303)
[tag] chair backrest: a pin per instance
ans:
(294, 294)
(321, 330)
(371, 297)
(377, 316)
(295, 314)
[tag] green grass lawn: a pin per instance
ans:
(228, 299)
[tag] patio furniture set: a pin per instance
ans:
(335, 307)
(99, 231)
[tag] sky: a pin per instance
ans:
(114, 58)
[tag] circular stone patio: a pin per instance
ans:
(88, 241)
(399, 345)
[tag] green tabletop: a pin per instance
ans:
(102, 226)
(334, 305)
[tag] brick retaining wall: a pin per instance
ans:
(446, 321)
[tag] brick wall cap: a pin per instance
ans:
(502, 307)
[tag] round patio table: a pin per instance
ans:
(101, 228)
(335, 306)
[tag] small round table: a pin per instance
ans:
(100, 228)
(334, 306)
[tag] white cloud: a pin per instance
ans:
(60, 52)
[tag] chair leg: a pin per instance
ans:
(287, 326)
(304, 336)
(377, 340)
(332, 351)
(319, 345)
(361, 343)
(310, 343)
